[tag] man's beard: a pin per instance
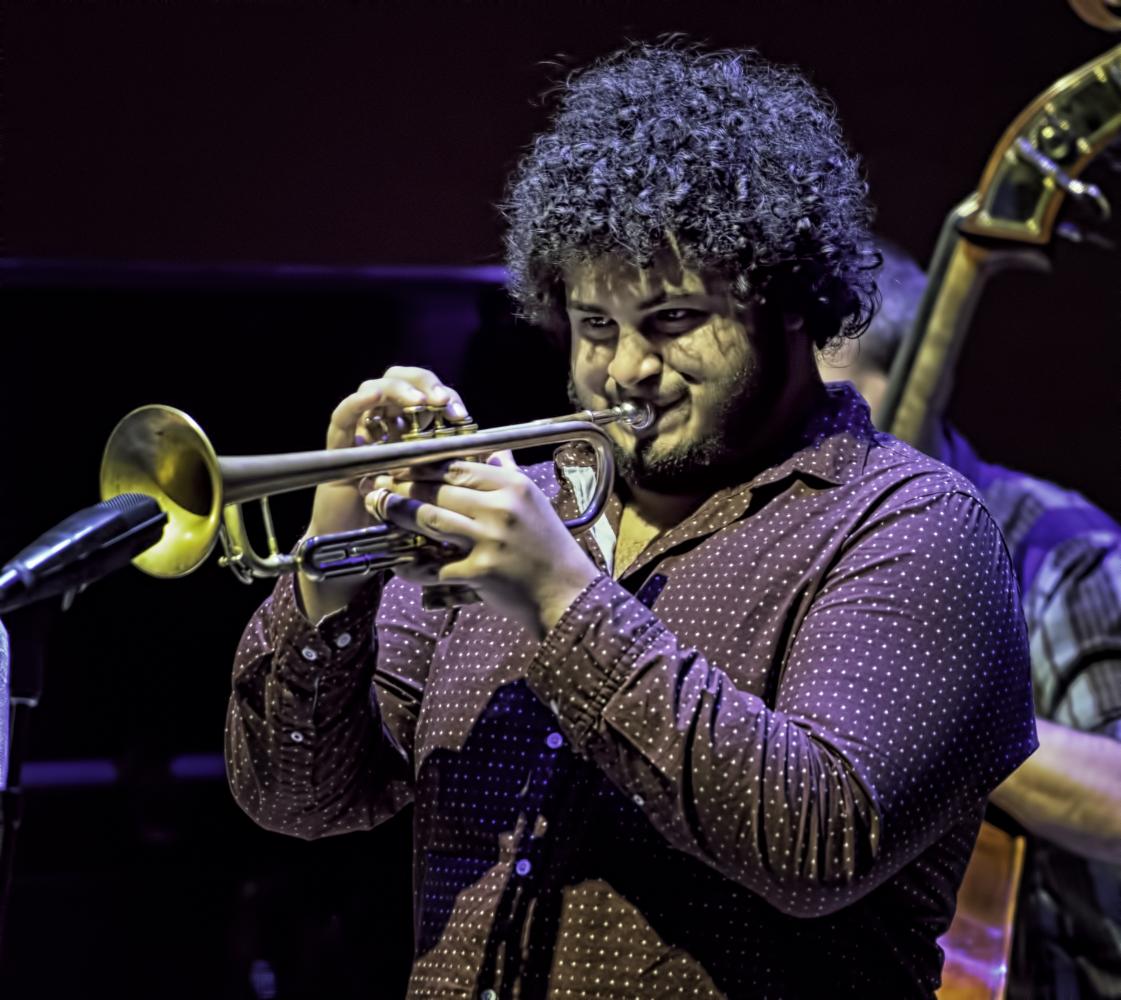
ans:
(747, 398)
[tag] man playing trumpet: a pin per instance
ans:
(736, 740)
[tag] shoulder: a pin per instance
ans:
(910, 510)
(900, 475)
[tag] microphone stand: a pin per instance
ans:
(28, 629)
(101, 539)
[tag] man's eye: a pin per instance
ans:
(596, 325)
(679, 316)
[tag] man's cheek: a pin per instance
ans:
(588, 384)
(587, 355)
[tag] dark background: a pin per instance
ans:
(159, 160)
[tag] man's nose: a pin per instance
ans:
(635, 360)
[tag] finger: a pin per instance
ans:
(389, 395)
(351, 423)
(468, 570)
(374, 411)
(462, 500)
(435, 392)
(504, 460)
(421, 379)
(427, 519)
(472, 475)
(348, 418)
(425, 572)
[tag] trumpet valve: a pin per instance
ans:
(415, 431)
(445, 428)
(441, 427)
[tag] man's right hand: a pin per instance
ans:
(339, 506)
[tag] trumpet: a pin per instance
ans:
(162, 452)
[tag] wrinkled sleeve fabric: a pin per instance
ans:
(904, 699)
(1073, 609)
(320, 725)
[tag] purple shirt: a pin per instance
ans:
(755, 765)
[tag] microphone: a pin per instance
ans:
(83, 548)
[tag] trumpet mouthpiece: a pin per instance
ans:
(638, 416)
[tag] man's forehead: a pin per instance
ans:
(613, 276)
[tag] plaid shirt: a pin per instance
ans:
(1067, 555)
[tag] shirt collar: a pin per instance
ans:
(831, 447)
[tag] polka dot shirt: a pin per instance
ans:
(752, 766)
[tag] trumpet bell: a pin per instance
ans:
(161, 452)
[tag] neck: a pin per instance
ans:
(662, 510)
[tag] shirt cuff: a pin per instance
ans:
(585, 658)
(305, 651)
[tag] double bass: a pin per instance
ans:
(1010, 221)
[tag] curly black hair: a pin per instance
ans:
(740, 161)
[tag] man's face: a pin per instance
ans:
(680, 341)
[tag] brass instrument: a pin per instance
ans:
(1007, 222)
(1104, 14)
(161, 452)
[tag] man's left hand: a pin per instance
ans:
(516, 552)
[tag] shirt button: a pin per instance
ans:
(638, 800)
(343, 640)
(488, 995)
(523, 867)
(554, 741)
(297, 737)
(309, 654)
